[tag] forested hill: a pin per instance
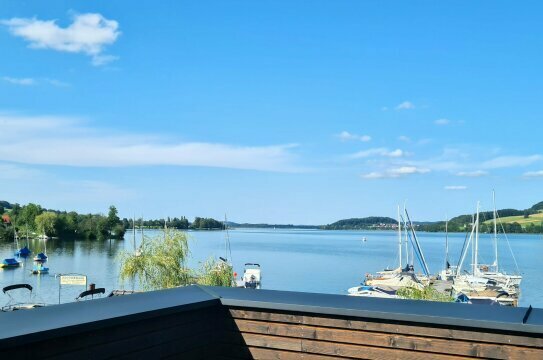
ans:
(372, 222)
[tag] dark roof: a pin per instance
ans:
(89, 315)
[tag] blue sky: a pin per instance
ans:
(271, 111)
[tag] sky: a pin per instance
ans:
(291, 112)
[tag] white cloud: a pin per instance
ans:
(396, 172)
(511, 161)
(455, 187)
(347, 136)
(533, 174)
(49, 140)
(88, 34)
(384, 152)
(33, 81)
(442, 122)
(56, 82)
(404, 138)
(19, 81)
(16, 172)
(476, 173)
(406, 105)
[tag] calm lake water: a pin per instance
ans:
(300, 260)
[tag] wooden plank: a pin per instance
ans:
(250, 352)
(407, 342)
(393, 328)
(368, 352)
(273, 342)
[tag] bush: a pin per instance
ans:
(427, 293)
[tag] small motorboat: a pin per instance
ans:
(372, 291)
(38, 269)
(41, 257)
(252, 276)
(10, 263)
(12, 305)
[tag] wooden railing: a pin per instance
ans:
(218, 323)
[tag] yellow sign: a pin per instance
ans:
(73, 280)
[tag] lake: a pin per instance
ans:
(298, 260)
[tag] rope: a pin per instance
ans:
(508, 244)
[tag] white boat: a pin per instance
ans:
(479, 284)
(492, 272)
(372, 291)
(401, 276)
(252, 276)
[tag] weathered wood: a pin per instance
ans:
(232, 351)
(530, 340)
(368, 352)
(406, 342)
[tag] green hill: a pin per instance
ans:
(372, 222)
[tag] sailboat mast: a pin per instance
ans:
(399, 238)
(406, 239)
(134, 231)
(495, 233)
(476, 244)
(142, 236)
(446, 243)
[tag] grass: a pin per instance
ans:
(535, 219)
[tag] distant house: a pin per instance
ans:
(6, 219)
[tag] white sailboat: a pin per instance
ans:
(511, 282)
(475, 285)
(386, 283)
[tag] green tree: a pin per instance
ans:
(162, 262)
(28, 214)
(112, 217)
(46, 223)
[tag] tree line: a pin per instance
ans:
(181, 223)
(32, 220)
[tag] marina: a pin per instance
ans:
(334, 261)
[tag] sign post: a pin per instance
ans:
(71, 279)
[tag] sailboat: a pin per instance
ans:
(386, 283)
(475, 286)
(512, 282)
(42, 257)
(449, 270)
(10, 263)
(23, 252)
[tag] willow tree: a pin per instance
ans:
(162, 262)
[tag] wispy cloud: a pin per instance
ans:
(88, 34)
(533, 174)
(19, 81)
(34, 81)
(476, 173)
(16, 172)
(396, 172)
(455, 187)
(384, 152)
(50, 140)
(347, 136)
(404, 138)
(442, 122)
(511, 161)
(406, 105)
